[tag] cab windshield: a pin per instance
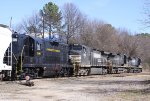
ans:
(76, 47)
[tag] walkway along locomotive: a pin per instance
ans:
(43, 57)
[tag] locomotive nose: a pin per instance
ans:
(74, 56)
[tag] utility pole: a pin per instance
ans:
(42, 14)
(10, 22)
(43, 24)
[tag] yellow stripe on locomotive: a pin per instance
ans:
(53, 50)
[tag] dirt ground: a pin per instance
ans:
(113, 87)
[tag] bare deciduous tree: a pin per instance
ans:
(87, 33)
(31, 24)
(99, 35)
(146, 21)
(105, 37)
(144, 47)
(128, 43)
(73, 20)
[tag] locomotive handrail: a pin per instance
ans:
(21, 57)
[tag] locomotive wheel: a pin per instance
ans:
(83, 72)
(64, 72)
(104, 71)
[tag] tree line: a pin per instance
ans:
(73, 26)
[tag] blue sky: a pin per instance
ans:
(119, 13)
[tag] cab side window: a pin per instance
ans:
(38, 46)
(84, 49)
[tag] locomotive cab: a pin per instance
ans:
(75, 53)
(79, 56)
(25, 50)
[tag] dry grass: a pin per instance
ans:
(116, 87)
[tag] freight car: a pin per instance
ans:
(39, 57)
(5, 38)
